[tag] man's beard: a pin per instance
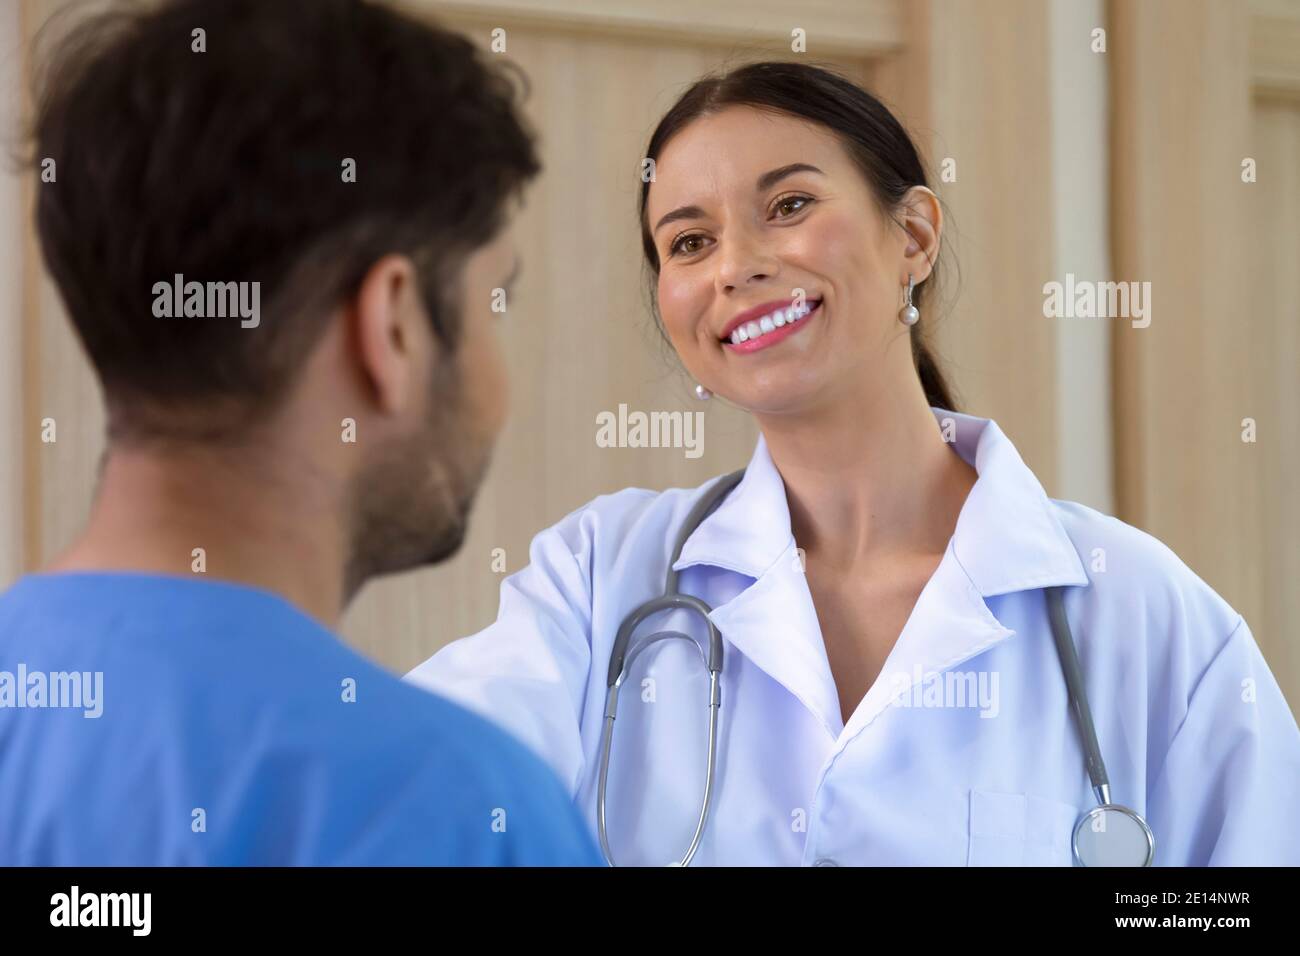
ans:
(411, 506)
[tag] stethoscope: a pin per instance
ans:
(1109, 834)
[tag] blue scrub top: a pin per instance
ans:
(152, 720)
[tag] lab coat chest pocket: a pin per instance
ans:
(1020, 829)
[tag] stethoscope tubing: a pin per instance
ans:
(623, 654)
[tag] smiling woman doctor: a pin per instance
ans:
(882, 583)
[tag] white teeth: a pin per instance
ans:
(769, 323)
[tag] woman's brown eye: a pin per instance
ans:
(785, 203)
(680, 245)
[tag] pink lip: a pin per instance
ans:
(749, 315)
(775, 336)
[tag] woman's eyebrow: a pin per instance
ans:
(766, 181)
(772, 177)
(683, 212)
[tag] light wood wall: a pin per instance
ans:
(1153, 195)
(1199, 87)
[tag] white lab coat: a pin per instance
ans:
(1194, 730)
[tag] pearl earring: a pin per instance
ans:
(910, 314)
(702, 393)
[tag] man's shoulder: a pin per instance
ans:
(297, 748)
(432, 783)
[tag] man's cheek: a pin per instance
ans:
(484, 374)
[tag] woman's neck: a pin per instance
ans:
(870, 477)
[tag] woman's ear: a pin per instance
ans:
(922, 219)
(386, 305)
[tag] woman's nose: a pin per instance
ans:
(744, 260)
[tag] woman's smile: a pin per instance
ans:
(767, 324)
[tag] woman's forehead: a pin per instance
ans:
(731, 149)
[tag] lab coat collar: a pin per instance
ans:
(1006, 539)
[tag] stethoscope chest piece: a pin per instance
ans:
(1113, 835)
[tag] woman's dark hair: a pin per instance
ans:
(873, 138)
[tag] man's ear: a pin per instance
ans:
(923, 221)
(383, 315)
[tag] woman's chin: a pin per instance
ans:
(777, 394)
